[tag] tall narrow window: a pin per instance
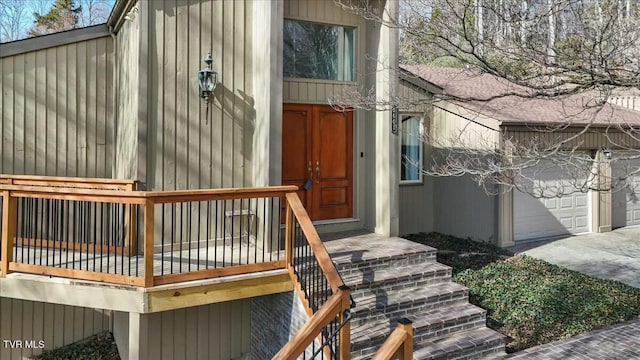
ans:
(411, 151)
(318, 51)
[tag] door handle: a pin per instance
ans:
(317, 171)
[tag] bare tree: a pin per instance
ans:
(13, 22)
(574, 54)
(94, 12)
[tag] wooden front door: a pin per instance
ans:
(317, 156)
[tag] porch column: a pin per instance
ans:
(505, 218)
(387, 148)
(267, 80)
(601, 199)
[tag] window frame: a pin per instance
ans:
(354, 60)
(402, 118)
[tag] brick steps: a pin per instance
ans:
(408, 302)
(471, 344)
(392, 278)
(349, 264)
(428, 324)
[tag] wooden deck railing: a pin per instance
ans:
(399, 345)
(103, 230)
(92, 233)
(324, 295)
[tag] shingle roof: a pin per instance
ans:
(483, 93)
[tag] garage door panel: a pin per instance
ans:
(536, 218)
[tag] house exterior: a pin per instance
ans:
(121, 101)
(462, 208)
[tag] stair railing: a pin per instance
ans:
(324, 295)
(399, 345)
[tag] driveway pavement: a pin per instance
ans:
(618, 342)
(613, 255)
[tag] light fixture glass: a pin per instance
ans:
(207, 78)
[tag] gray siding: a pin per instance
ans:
(186, 150)
(461, 207)
(217, 331)
(416, 200)
(57, 110)
(55, 325)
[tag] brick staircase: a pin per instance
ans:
(391, 278)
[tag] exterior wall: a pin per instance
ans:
(592, 140)
(127, 47)
(184, 149)
(461, 207)
(54, 325)
(274, 320)
(310, 91)
(57, 108)
(416, 200)
(216, 331)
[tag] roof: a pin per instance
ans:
(491, 96)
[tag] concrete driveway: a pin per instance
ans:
(614, 255)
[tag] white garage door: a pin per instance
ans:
(536, 218)
(625, 198)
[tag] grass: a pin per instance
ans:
(529, 300)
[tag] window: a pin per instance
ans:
(411, 151)
(318, 51)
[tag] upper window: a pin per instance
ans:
(411, 151)
(318, 51)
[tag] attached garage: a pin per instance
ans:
(544, 217)
(525, 128)
(625, 197)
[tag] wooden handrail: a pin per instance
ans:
(310, 330)
(398, 344)
(66, 181)
(321, 254)
(159, 197)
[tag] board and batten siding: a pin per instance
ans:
(218, 331)
(416, 200)
(463, 207)
(57, 109)
(55, 325)
(186, 150)
(576, 139)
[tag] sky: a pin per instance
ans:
(17, 16)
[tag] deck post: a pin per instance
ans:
(8, 230)
(405, 352)
(345, 331)
(288, 234)
(148, 241)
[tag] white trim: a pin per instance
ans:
(420, 180)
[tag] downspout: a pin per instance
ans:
(116, 83)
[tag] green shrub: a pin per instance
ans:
(535, 302)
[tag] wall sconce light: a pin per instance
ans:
(207, 79)
(606, 152)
